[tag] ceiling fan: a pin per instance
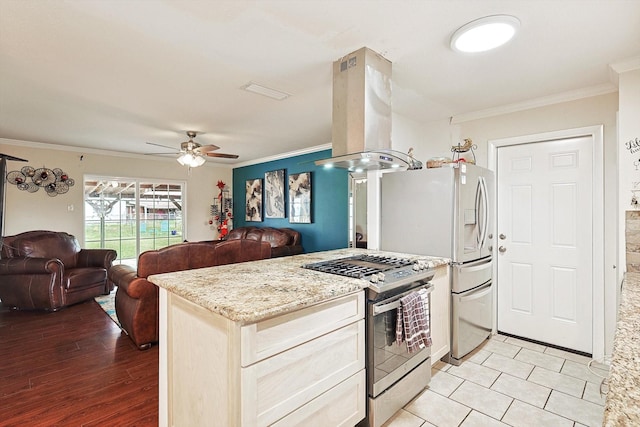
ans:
(193, 154)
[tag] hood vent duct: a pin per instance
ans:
(361, 122)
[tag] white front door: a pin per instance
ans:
(544, 208)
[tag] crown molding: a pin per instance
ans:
(629, 64)
(85, 150)
(58, 147)
(617, 68)
(309, 150)
(601, 89)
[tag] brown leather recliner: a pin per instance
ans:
(47, 270)
(283, 241)
(137, 298)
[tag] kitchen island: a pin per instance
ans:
(264, 342)
(622, 406)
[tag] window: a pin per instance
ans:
(132, 216)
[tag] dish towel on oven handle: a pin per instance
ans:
(413, 321)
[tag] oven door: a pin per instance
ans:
(388, 362)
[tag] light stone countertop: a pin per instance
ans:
(252, 291)
(622, 407)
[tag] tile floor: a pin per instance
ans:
(509, 382)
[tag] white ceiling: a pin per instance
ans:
(115, 74)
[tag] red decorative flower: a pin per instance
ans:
(220, 185)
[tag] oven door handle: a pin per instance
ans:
(383, 307)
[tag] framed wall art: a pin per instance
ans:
(300, 197)
(253, 210)
(274, 205)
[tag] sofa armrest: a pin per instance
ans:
(127, 280)
(139, 288)
(96, 258)
(121, 274)
(12, 266)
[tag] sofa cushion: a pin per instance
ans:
(201, 254)
(165, 260)
(241, 250)
(78, 278)
(62, 246)
(178, 257)
(239, 233)
(274, 236)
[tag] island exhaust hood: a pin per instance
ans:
(361, 122)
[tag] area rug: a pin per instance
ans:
(108, 304)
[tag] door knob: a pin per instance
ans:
(502, 236)
(502, 249)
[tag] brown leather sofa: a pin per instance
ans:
(283, 241)
(137, 298)
(47, 270)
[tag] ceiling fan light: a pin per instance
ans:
(181, 159)
(485, 33)
(198, 161)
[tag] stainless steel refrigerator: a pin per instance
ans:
(447, 212)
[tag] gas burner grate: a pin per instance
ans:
(390, 261)
(359, 266)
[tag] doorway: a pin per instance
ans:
(549, 266)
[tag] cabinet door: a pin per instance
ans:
(281, 384)
(440, 317)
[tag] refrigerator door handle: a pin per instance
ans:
(477, 210)
(476, 294)
(482, 203)
(485, 210)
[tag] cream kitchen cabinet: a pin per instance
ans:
(440, 314)
(298, 368)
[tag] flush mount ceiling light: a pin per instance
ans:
(265, 91)
(485, 33)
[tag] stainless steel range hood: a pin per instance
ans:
(361, 129)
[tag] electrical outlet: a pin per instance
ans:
(70, 208)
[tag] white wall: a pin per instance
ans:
(436, 138)
(568, 115)
(38, 211)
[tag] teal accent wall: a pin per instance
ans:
(329, 200)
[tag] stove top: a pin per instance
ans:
(383, 272)
(359, 266)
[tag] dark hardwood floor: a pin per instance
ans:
(74, 368)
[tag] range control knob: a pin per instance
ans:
(416, 266)
(381, 277)
(373, 278)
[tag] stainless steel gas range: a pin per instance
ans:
(394, 376)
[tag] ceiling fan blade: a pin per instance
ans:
(207, 148)
(163, 146)
(161, 154)
(222, 155)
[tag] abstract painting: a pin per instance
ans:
(274, 194)
(253, 211)
(300, 197)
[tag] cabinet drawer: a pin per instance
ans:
(264, 339)
(280, 384)
(343, 405)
